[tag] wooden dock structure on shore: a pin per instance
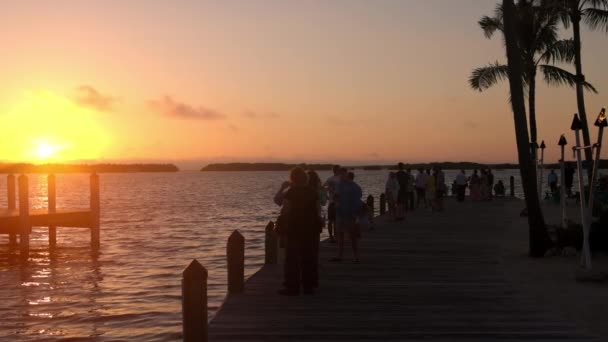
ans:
(434, 277)
(17, 221)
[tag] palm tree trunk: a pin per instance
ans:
(532, 106)
(539, 238)
(580, 96)
(532, 120)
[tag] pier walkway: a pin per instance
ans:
(435, 277)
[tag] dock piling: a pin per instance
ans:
(52, 203)
(12, 203)
(235, 253)
(271, 245)
(24, 219)
(512, 185)
(194, 303)
(382, 204)
(95, 211)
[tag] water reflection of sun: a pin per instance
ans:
(45, 127)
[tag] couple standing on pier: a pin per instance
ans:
(300, 223)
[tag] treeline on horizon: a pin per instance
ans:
(85, 168)
(324, 167)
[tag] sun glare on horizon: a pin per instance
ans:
(47, 127)
(46, 151)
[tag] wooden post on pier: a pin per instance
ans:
(12, 203)
(382, 204)
(235, 253)
(271, 245)
(52, 202)
(24, 218)
(512, 185)
(194, 303)
(95, 211)
(370, 204)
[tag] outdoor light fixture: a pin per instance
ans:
(562, 188)
(587, 207)
(542, 164)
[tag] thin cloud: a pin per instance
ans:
(179, 110)
(255, 115)
(87, 96)
(338, 121)
(470, 124)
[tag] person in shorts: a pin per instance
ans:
(331, 186)
(348, 205)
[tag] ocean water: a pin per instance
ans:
(152, 225)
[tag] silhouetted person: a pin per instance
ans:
(490, 176)
(314, 182)
(499, 189)
(410, 203)
(402, 197)
(552, 180)
(303, 223)
(331, 184)
(420, 187)
(461, 186)
(348, 207)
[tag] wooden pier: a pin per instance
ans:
(434, 277)
(18, 221)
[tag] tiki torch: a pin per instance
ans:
(542, 164)
(600, 122)
(576, 127)
(562, 184)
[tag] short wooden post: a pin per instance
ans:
(12, 203)
(24, 217)
(235, 253)
(512, 185)
(95, 211)
(382, 204)
(370, 204)
(52, 202)
(271, 245)
(194, 303)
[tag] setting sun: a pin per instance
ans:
(46, 151)
(48, 127)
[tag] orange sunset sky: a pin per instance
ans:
(194, 82)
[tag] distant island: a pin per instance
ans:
(414, 166)
(85, 168)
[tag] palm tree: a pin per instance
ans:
(539, 239)
(595, 14)
(537, 38)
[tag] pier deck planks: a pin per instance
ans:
(436, 277)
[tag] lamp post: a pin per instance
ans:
(576, 127)
(542, 164)
(562, 184)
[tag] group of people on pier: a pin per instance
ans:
(481, 185)
(301, 221)
(405, 191)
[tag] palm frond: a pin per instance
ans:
(560, 51)
(595, 4)
(556, 76)
(490, 25)
(596, 19)
(485, 77)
